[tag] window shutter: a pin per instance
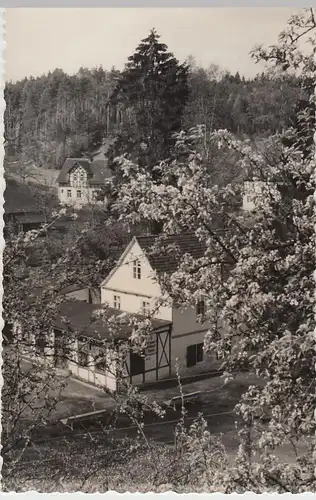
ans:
(199, 353)
(191, 355)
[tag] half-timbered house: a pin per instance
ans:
(94, 341)
(80, 180)
(133, 286)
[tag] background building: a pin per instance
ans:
(80, 180)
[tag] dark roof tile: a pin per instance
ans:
(22, 198)
(79, 315)
(164, 259)
(31, 218)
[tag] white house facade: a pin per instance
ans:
(80, 180)
(104, 356)
(133, 286)
(256, 192)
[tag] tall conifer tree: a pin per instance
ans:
(154, 87)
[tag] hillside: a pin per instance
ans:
(57, 115)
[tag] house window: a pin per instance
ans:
(137, 270)
(61, 190)
(145, 307)
(62, 349)
(40, 344)
(137, 364)
(200, 308)
(117, 302)
(194, 354)
(101, 362)
(68, 193)
(78, 193)
(83, 353)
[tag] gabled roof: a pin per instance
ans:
(23, 199)
(120, 260)
(68, 165)
(79, 315)
(164, 258)
(74, 287)
(31, 218)
(97, 170)
(100, 171)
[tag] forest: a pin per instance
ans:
(55, 116)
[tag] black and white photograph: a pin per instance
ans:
(158, 305)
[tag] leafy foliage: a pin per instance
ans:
(261, 309)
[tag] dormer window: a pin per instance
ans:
(137, 270)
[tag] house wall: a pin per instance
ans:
(179, 355)
(155, 354)
(90, 374)
(247, 202)
(134, 291)
(132, 303)
(187, 331)
(78, 177)
(86, 373)
(254, 190)
(184, 320)
(87, 195)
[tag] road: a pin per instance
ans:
(100, 439)
(216, 406)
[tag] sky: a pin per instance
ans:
(39, 40)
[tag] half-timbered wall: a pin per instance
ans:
(157, 359)
(78, 177)
(77, 192)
